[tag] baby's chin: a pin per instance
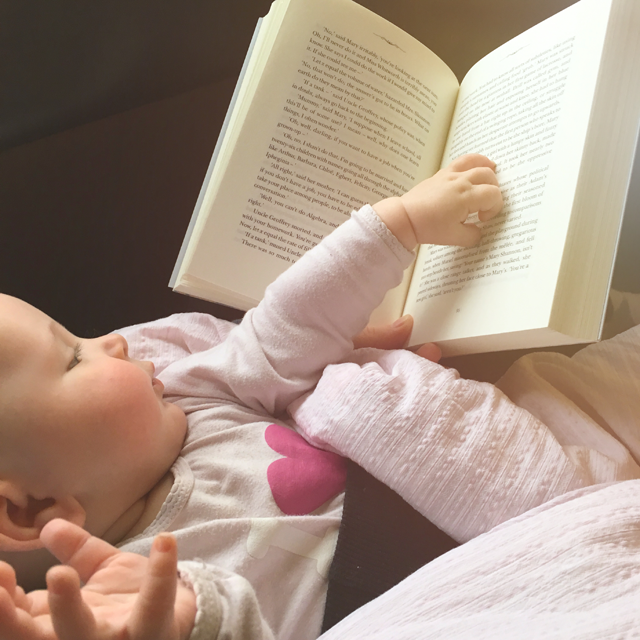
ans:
(181, 416)
(178, 420)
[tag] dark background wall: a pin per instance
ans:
(109, 114)
(93, 217)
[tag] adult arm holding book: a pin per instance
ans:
(394, 336)
(471, 455)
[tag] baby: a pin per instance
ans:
(98, 442)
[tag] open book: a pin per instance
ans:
(337, 107)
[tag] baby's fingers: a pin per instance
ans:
(153, 614)
(8, 580)
(464, 235)
(71, 616)
(76, 547)
(9, 584)
(16, 624)
(486, 199)
(470, 161)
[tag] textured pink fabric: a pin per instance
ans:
(471, 455)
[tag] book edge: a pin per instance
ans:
(205, 183)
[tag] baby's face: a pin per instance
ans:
(80, 414)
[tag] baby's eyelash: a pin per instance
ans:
(77, 356)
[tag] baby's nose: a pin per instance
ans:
(115, 345)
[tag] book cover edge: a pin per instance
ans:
(198, 206)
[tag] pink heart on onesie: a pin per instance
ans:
(307, 477)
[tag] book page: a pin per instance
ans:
(349, 109)
(527, 107)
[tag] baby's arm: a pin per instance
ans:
(310, 315)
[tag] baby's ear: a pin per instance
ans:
(22, 516)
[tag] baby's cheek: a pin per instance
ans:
(129, 393)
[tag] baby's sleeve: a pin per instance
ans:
(174, 338)
(227, 607)
(308, 317)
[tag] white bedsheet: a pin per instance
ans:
(568, 569)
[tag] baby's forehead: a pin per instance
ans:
(10, 350)
(22, 327)
(17, 316)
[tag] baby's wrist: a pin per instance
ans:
(393, 213)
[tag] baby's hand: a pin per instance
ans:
(125, 595)
(436, 210)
